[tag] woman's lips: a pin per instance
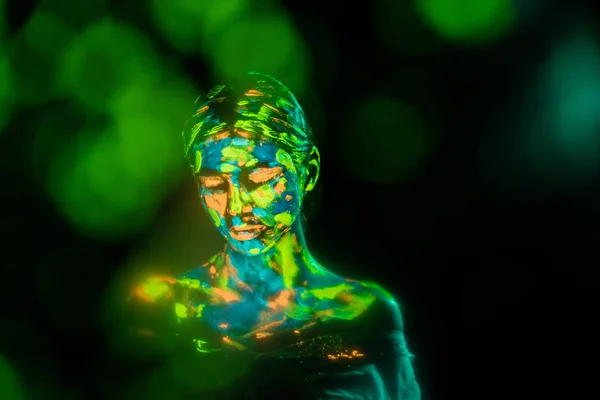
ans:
(246, 232)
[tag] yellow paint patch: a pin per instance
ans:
(285, 218)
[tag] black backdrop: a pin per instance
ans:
(496, 289)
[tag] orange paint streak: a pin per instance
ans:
(221, 135)
(213, 270)
(247, 209)
(264, 328)
(274, 266)
(279, 187)
(201, 110)
(142, 295)
(261, 335)
(241, 284)
(288, 197)
(324, 314)
(242, 133)
(223, 326)
(167, 279)
(233, 343)
(282, 300)
(217, 202)
(233, 272)
(226, 295)
(254, 93)
(272, 108)
(344, 298)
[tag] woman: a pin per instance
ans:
(262, 318)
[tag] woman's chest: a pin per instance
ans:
(251, 316)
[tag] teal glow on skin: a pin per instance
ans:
(250, 189)
(254, 161)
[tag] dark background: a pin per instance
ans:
(496, 280)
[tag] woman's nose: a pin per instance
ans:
(238, 200)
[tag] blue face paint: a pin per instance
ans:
(251, 191)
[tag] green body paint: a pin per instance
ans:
(253, 168)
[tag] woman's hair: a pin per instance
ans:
(258, 104)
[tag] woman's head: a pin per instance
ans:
(253, 157)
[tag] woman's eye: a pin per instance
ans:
(261, 175)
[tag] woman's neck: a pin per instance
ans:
(288, 258)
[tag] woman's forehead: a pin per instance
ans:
(239, 150)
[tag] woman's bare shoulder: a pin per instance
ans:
(383, 303)
(154, 288)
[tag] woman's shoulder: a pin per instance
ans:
(385, 305)
(156, 288)
(376, 304)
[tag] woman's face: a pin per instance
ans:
(250, 189)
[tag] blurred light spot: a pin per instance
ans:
(34, 53)
(402, 30)
(77, 14)
(47, 34)
(265, 43)
(6, 90)
(109, 182)
(566, 144)
(103, 59)
(118, 303)
(550, 136)
(190, 24)
(468, 21)
(385, 141)
(10, 387)
(2, 22)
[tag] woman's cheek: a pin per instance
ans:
(215, 206)
(264, 196)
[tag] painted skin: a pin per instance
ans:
(265, 285)
(265, 281)
(250, 189)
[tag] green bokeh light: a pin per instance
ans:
(265, 43)
(468, 21)
(109, 182)
(386, 141)
(190, 25)
(47, 34)
(34, 53)
(77, 14)
(103, 59)
(2, 21)
(6, 90)
(10, 387)
(565, 148)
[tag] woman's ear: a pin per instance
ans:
(313, 169)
